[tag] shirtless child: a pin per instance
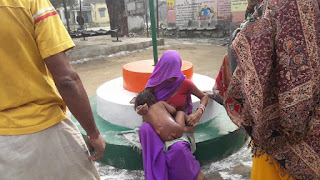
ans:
(160, 116)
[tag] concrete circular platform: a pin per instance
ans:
(136, 74)
(113, 102)
(215, 140)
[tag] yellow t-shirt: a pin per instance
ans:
(30, 31)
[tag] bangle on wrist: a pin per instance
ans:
(202, 107)
(94, 137)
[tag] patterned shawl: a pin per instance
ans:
(274, 92)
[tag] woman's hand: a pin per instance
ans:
(194, 118)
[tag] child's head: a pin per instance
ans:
(145, 97)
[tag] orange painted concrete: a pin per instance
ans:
(136, 74)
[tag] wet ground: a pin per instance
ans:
(234, 167)
(206, 56)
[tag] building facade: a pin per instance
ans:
(95, 14)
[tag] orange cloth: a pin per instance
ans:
(263, 170)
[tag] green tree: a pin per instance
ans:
(118, 17)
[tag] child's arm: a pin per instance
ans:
(172, 110)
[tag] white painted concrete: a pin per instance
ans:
(113, 102)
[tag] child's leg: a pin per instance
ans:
(181, 119)
(201, 176)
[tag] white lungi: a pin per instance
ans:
(56, 153)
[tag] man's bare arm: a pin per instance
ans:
(72, 91)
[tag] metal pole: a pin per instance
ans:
(146, 8)
(154, 33)
(66, 15)
(147, 25)
(81, 26)
(80, 8)
(158, 18)
(193, 9)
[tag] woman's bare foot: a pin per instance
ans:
(201, 176)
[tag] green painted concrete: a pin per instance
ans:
(215, 139)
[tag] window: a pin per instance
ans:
(102, 12)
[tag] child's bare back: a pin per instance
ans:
(160, 116)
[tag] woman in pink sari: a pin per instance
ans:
(170, 85)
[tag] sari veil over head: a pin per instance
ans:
(169, 66)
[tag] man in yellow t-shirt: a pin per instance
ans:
(37, 140)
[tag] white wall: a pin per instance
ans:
(135, 23)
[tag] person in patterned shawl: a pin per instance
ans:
(271, 88)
